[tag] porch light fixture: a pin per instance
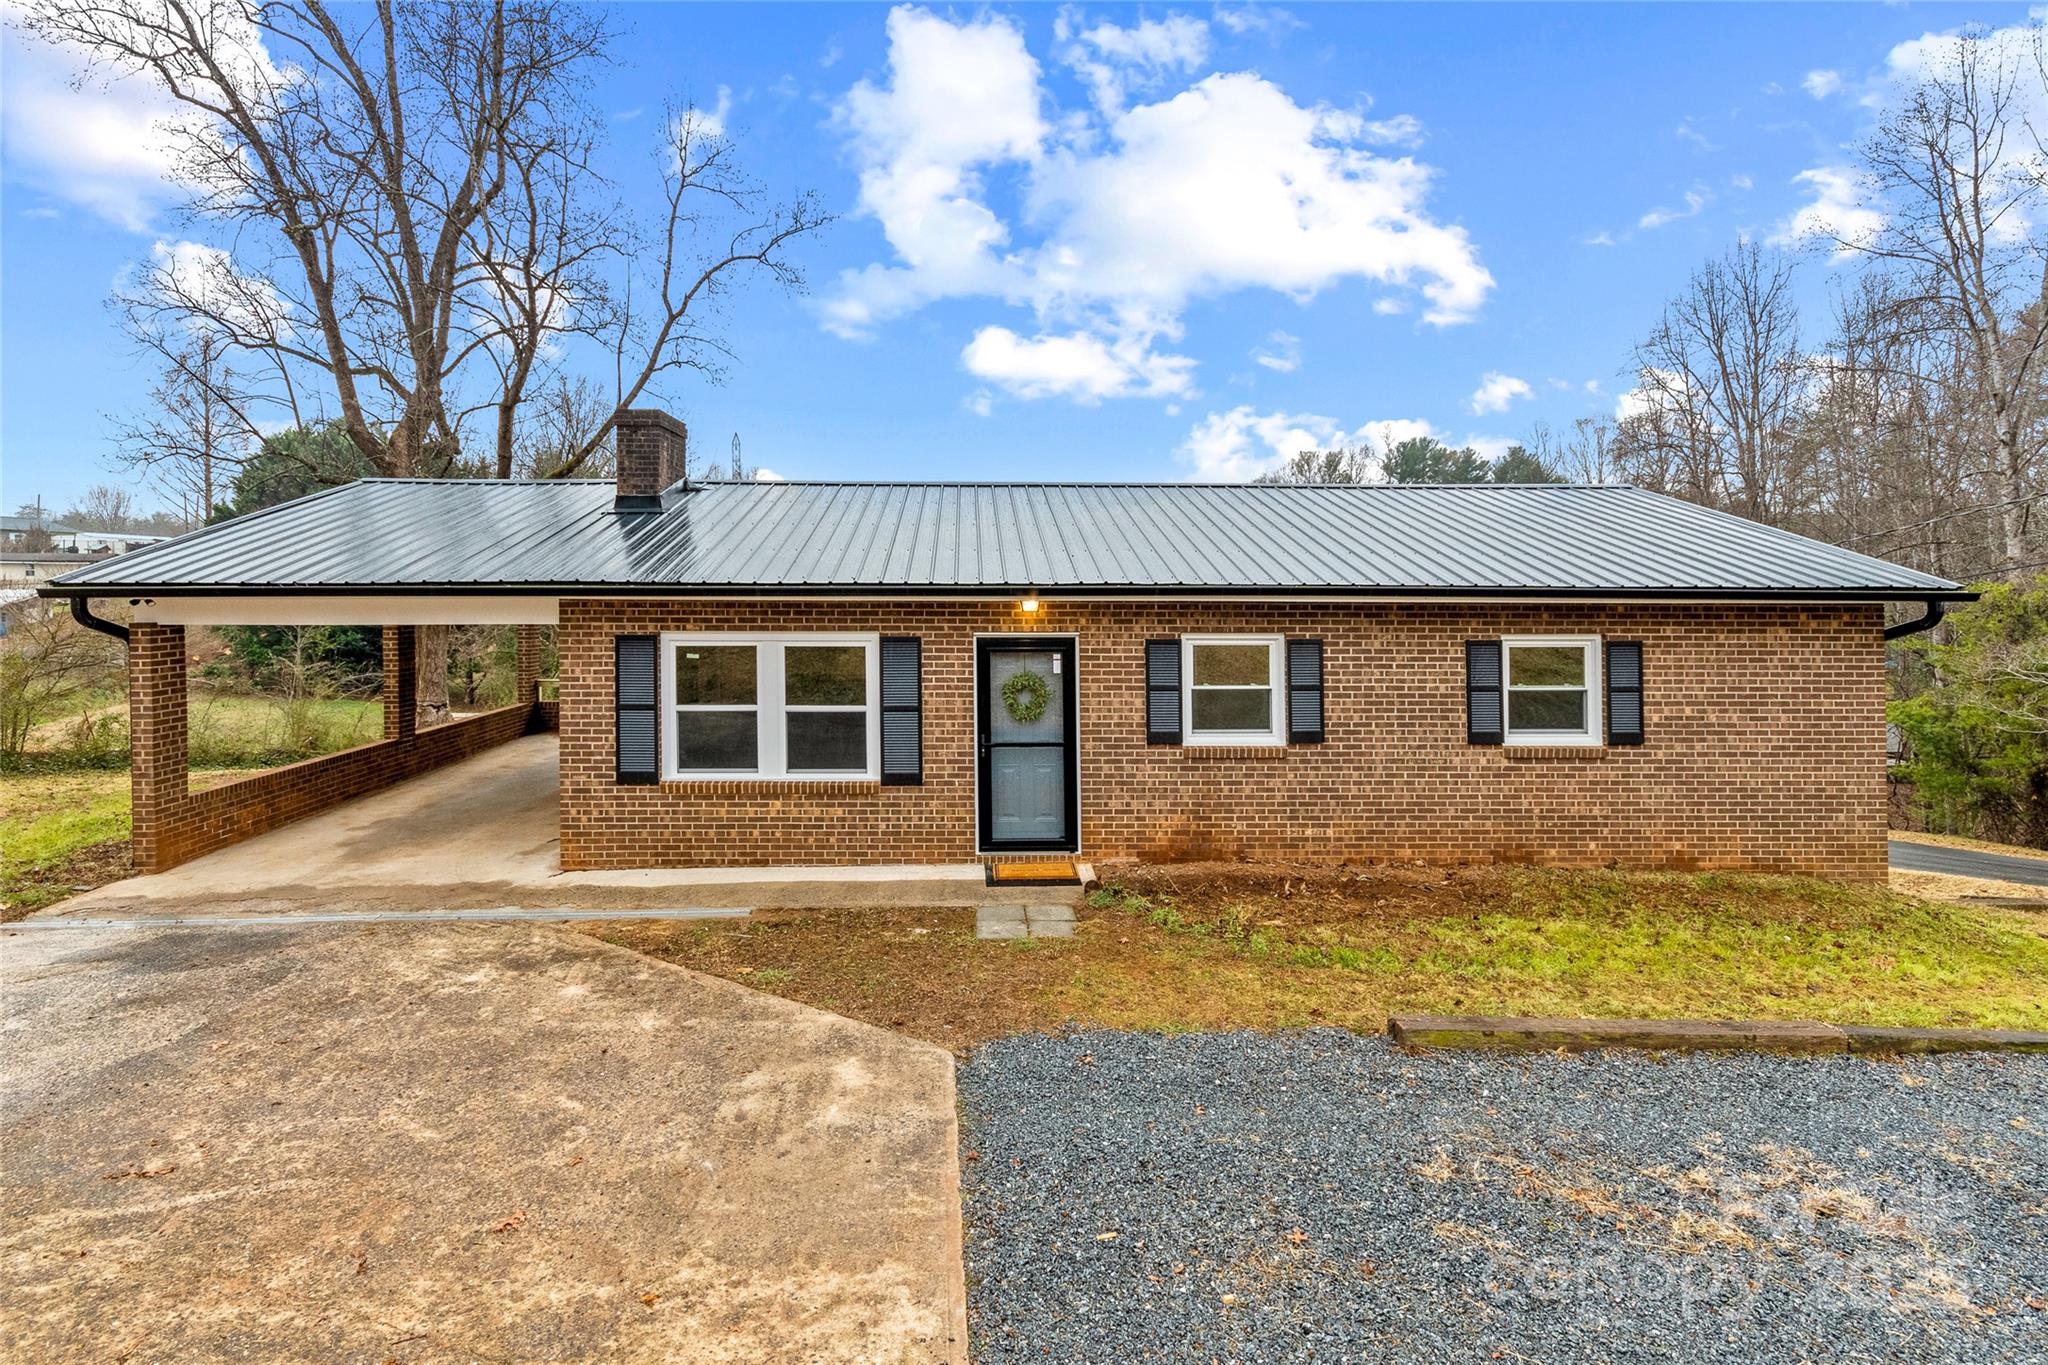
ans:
(1030, 602)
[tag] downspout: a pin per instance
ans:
(1936, 609)
(81, 612)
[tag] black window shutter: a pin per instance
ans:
(902, 711)
(1304, 691)
(1624, 692)
(1162, 691)
(636, 681)
(1482, 692)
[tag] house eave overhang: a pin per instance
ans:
(981, 592)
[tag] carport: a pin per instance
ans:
(173, 823)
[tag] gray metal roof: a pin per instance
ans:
(14, 526)
(419, 535)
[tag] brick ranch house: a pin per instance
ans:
(804, 673)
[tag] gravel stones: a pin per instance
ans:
(1326, 1196)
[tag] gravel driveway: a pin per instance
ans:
(1322, 1196)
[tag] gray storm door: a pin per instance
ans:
(1025, 714)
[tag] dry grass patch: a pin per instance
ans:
(1201, 948)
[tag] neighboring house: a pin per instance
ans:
(102, 542)
(786, 673)
(39, 566)
(31, 533)
(16, 604)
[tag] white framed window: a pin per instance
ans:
(771, 706)
(1231, 689)
(1551, 687)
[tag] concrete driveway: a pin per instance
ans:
(484, 834)
(426, 1142)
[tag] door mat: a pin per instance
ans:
(1034, 874)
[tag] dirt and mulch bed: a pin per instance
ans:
(1208, 947)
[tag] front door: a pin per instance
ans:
(1025, 722)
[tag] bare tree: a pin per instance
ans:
(408, 194)
(561, 418)
(103, 507)
(198, 427)
(371, 142)
(540, 263)
(1345, 464)
(1720, 379)
(1957, 175)
(717, 225)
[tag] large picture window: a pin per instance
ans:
(1553, 689)
(770, 706)
(1233, 689)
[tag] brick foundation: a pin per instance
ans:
(1764, 752)
(174, 824)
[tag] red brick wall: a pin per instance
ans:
(174, 824)
(1765, 745)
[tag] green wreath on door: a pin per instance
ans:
(1025, 697)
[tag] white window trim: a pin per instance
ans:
(1276, 662)
(1596, 691)
(770, 710)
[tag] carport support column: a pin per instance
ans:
(401, 682)
(526, 665)
(156, 739)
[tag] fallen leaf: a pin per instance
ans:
(518, 1216)
(650, 1299)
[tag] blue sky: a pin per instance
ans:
(1110, 242)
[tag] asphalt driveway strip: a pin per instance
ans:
(1324, 1196)
(439, 1142)
(1910, 855)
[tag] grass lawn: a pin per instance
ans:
(63, 832)
(1181, 949)
(65, 828)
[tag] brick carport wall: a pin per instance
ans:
(174, 824)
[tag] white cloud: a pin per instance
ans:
(1402, 130)
(711, 122)
(106, 141)
(1685, 132)
(1600, 238)
(1076, 365)
(1822, 83)
(1844, 207)
(1838, 209)
(1123, 215)
(1740, 181)
(1269, 20)
(1490, 447)
(1695, 200)
(1496, 391)
(768, 476)
(1281, 351)
(1114, 61)
(1389, 306)
(105, 149)
(203, 279)
(1239, 445)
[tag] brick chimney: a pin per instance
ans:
(653, 457)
